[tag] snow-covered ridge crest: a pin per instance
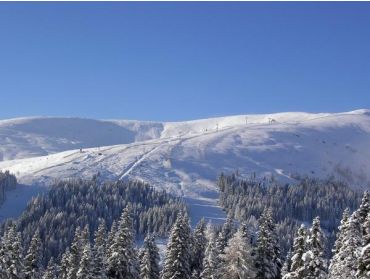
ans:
(37, 136)
(185, 158)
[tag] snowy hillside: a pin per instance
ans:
(185, 158)
(37, 136)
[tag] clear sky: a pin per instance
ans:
(178, 61)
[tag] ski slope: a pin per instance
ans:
(185, 158)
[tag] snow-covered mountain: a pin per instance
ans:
(185, 158)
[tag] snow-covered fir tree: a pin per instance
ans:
(122, 261)
(364, 208)
(211, 261)
(225, 234)
(199, 243)
(238, 262)
(99, 251)
(64, 265)
(341, 231)
(177, 260)
(74, 255)
(149, 259)
(51, 271)
(85, 236)
(296, 270)
(268, 259)
(344, 262)
(110, 239)
(145, 269)
(313, 258)
(363, 268)
(12, 265)
(287, 264)
(246, 232)
(33, 259)
(86, 266)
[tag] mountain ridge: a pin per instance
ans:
(185, 158)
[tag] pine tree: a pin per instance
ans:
(199, 243)
(145, 265)
(3, 257)
(12, 263)
(268, 259)
(341, 231)
(86, 266)
(51, 271)
(364, 208)
(245, 231)
(285, 270)
(74, 256)
(363, 269)
(85, 236)
(344, 262)
(64, 264)
(211, 261)
(314, 262)
(122, 261)
(178, 255)
(226, 233)
(366, 230)
(111, 237)
(297, 268)
(238, 262)
(99, 252)
(149, 259)
(33, 263)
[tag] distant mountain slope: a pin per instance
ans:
(37, 136)
(186, 157)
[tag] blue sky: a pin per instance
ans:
(185, 60)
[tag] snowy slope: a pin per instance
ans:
(37, 136)
(185, 158)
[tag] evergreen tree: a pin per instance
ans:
(285, 270)
(51, 271)
(344, 262)
(3, 257)
(363, 270)
(111, 238)
(237, 259)
(99, 252)
(12, 258)
(149, 259)
(226, 233)
(364, 208)
(33, 264)
(86, 267)
(268, 259)
(198, 248)
(122, 261)
(74, 256)
(145, 265)
(341, 231)
(297, 268)
(314, 262)
(85, 236)
(245, 231)
(366, 230)
(178, 255)
(64, 264)
(211, 261)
